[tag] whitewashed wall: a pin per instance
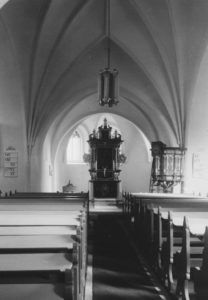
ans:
(197, 135)
(12, 118)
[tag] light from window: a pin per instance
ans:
(74, 149)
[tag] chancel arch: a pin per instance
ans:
(136, 148)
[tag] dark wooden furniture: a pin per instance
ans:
(104, 164)
(171, 234)
(167, 167)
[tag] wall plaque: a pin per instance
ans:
(10, 163)
(200, 165)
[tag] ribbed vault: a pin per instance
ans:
(59, 47)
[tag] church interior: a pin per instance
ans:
(103, 149)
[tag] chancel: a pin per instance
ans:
(103, 149)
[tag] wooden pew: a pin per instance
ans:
(191, 263)
(41, 204)
(175, 204)
(46, 195)
(166, 247)
(43, 215)
(37, 230)
(200, 273)
(165, 243)
(38, 267)
(56, 245)
(77, 200)
(177, 253)
(180, 253)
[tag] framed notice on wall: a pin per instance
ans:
(200, 165)
(10, 163)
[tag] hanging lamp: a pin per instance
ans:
(108, 78)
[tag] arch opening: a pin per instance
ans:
(135, 174)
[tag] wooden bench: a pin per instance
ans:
(174, 248)
(37, 230)
(166, 235)
(44, 229)
(45, 267)
(33, 195)
(200, 273)
(66, 251)
(47, 200)
(180, 252)
(181, 204)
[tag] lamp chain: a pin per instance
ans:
(108, 33)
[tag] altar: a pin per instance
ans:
(104, 163)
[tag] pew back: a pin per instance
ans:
(46, 235)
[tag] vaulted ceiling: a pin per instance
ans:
(60, 45)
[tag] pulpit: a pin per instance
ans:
(167, 167)
(104, 163)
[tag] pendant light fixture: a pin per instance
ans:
(108, 78)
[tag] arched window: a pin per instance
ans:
(74, 151)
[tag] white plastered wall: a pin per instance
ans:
(12, 118)
(196, 171)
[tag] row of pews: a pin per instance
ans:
(43, 246)
(172, 232)
(57, 194)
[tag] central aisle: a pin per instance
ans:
(117, 271)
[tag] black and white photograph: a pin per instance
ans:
(103, 149)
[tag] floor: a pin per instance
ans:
(117, 272)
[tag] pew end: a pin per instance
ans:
(200, 273)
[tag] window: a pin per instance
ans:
(74, 149)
